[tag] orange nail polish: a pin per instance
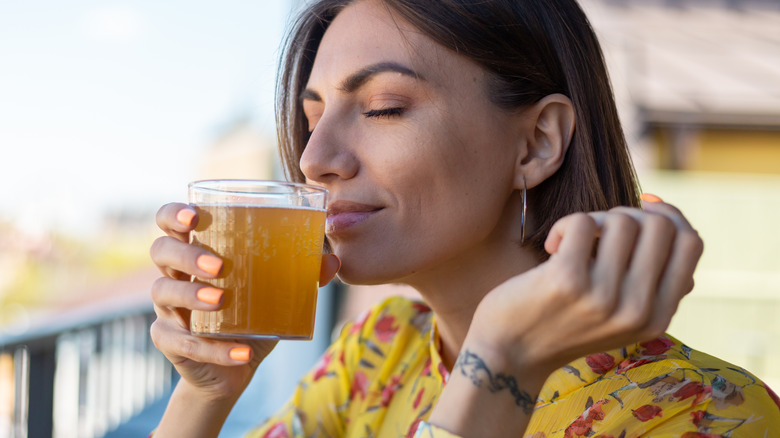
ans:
(240, 354)
(210, 295)
(210, 264)
(647, 197)
(185, 217)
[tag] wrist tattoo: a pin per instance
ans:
(473, 367)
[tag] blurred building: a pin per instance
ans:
(697, 81)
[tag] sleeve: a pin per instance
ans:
(316, 408)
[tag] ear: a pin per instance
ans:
(548, 127)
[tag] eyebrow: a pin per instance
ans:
(360, 77)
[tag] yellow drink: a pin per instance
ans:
(271, 269)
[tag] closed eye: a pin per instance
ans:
(386, 112)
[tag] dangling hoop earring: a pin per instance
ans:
(522, 216)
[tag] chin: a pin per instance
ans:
(366, 271)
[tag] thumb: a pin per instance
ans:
(329, 268)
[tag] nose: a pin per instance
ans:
(327, 156)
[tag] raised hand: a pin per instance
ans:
(213, 371)
(613, 278)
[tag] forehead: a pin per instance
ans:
(366, 33)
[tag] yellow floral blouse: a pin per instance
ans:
(382, 376)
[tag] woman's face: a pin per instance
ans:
(419, 163)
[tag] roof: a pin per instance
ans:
(694, 61)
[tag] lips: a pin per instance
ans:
(343, 215)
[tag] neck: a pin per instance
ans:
(454, 289)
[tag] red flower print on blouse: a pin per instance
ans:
(384, 329)
(321, 369)
(582, 426)
(359, 386)
(420, 307)
(656, 346)
(279, 430)
(630, 363)
(390, 389)
(647, 412)
(691, 389)
(427, 368)
(697, 416)
(600, 363)
(418, 399)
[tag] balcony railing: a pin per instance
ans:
(81, 373)
(89, 372)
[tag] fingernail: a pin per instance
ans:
(210, 295)
(240, 354)
(647, 197)
(185, 216)
(209, 264)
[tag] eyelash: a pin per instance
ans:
(380, 113)
(384, 113)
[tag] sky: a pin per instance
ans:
(106, 104)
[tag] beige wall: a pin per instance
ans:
(734, 310)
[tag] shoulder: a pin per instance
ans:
(711, 393)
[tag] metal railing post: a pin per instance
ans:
(41, 390)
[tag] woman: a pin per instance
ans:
(471, 150)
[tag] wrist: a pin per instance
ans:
(192, 413)
(486, 395)
(507, 351)
(499, 370)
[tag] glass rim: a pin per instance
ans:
(212, 186)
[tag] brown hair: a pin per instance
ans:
(531, 49)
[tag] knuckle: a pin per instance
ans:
(598, 308)
(636, 321)
(158, 245)
(155, 332)
(691, 243)
(568, 282)
(188, 348)
(622, 222)
(660, 223)
(583, 219)
(157, 288)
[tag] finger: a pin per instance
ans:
(331, 264)
(169, 254)
(573, 236)
(167, 292)
(670, 211)
(178, 345)
(677, 279)
(616, 245)
(639, 301)
(177, 220)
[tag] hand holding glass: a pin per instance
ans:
(270, 237)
